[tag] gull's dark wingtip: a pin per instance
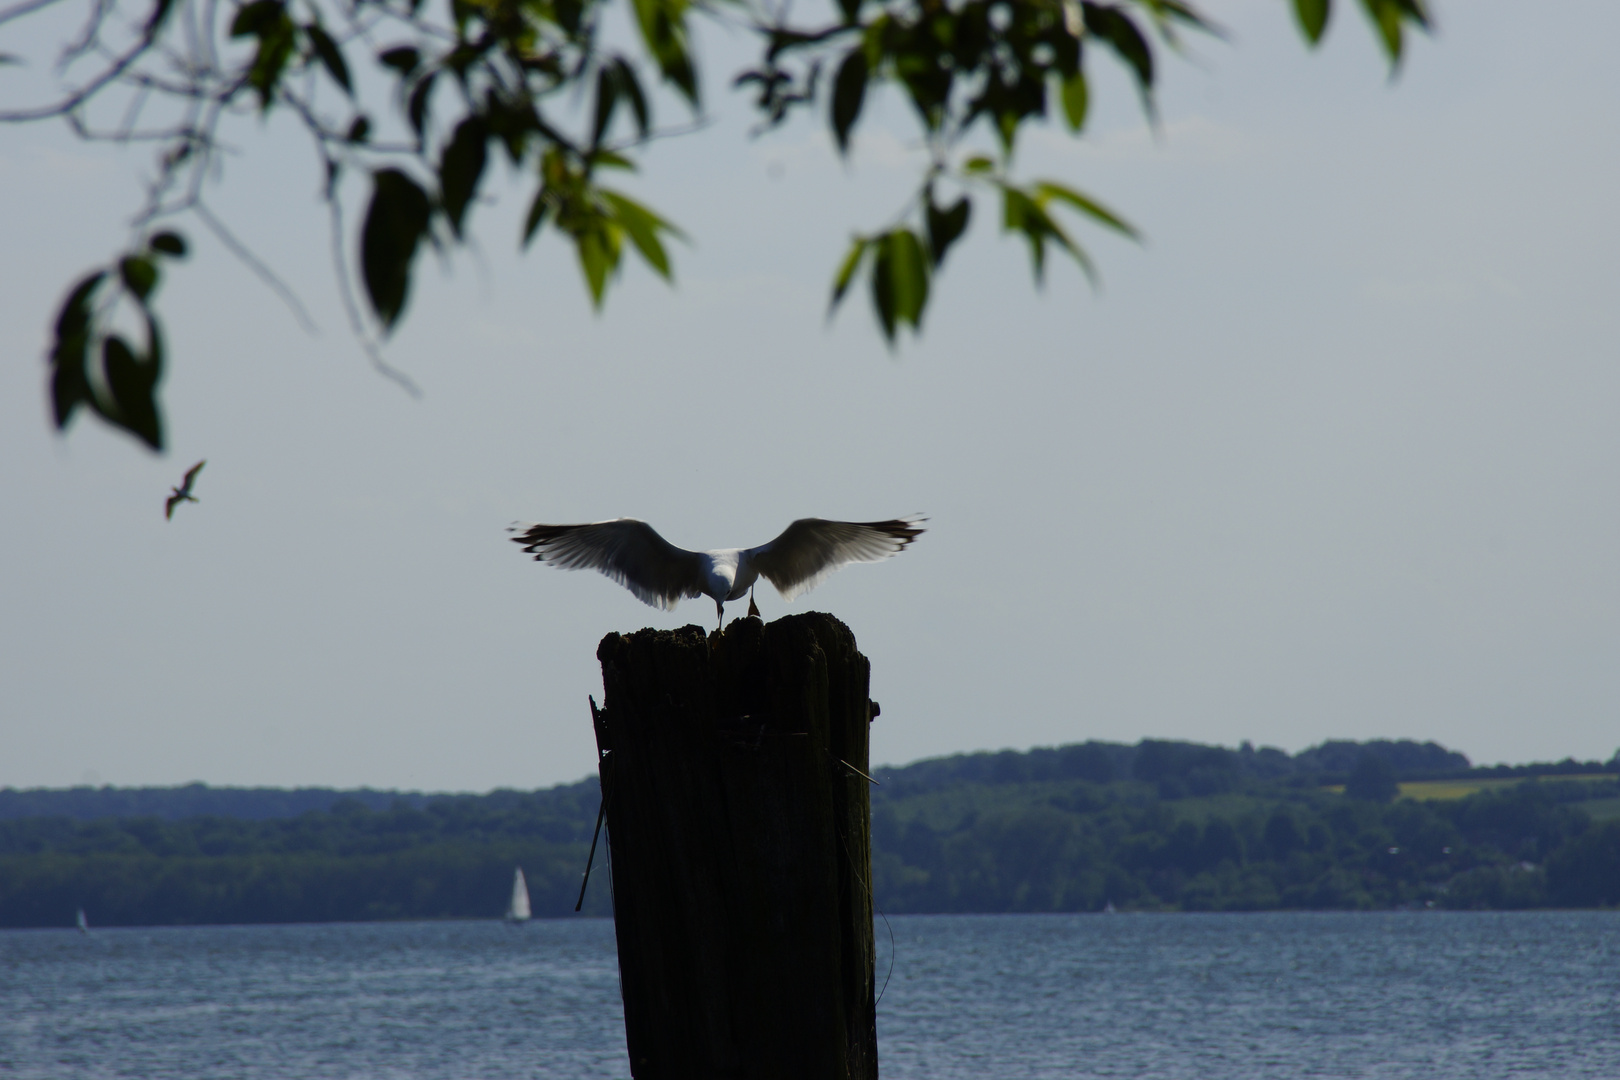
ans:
(533, 536)
(904, 529)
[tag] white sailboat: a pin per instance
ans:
(518, 910)
(84, 924)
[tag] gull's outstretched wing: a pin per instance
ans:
(626, 550)
(810, 549)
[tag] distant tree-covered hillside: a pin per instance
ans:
(451, 856)
(1195, 767)
(1157, 826)
(1078, 845)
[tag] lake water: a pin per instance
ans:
(1424, 995)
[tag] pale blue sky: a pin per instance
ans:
(1332, 455)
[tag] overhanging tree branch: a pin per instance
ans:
(533, 80)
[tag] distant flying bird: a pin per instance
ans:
(660, 574)
(183, 492)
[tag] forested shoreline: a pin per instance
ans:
(1153, 826)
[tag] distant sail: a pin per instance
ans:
(519, 909)
(84, 924)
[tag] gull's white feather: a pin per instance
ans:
(810, 549)
(626, 550)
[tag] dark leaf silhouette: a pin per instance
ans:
(395, 225)
(1313, 17)
(70, 380)
(849, 92)
(461, 168)
(945, 227)
(132, 382)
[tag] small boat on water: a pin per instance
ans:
(518, 910)
(1108, 908)
(84, 924)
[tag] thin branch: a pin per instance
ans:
(665, 133)
(80, 96)
(132, 114)
(263, 272)
(17, 11)
(92, 34)
(324, 134)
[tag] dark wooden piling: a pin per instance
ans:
(740, 849)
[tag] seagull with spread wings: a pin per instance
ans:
(182, 493)
(659, 573)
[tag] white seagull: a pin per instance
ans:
(659, 573)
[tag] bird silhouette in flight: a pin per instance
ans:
(183, 492)
(659, 573)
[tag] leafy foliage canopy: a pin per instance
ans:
(419, 96)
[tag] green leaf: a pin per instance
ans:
(849, 91)
(461, 167)
(331, 57)
(538, 210)
(1313, 17)
(1020, 214)
(607, 99)
(1388, 16)
(395, 224)
(154, 345)
(69, 359)
(978, 165)
(642, 226)
(1045, 191)
(846, 272)
(1076, 100)
(253, 19)
(631, 87)
(1113, 26)
(899, 281)
(1024, 214)
(945, 226)
(133, 387)
(598, 251)
(169, 243)
(417, 108)
(663, 29)
(139, 275)
(266, 20)
(607, 159)
(402, 59)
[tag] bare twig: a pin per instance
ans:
(17, 11)
(80, 96)
(253, 263)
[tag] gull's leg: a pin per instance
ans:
(720, 615)
(753, 609)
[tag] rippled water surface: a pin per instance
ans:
(1427, 996)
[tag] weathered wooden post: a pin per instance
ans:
(738, 828)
